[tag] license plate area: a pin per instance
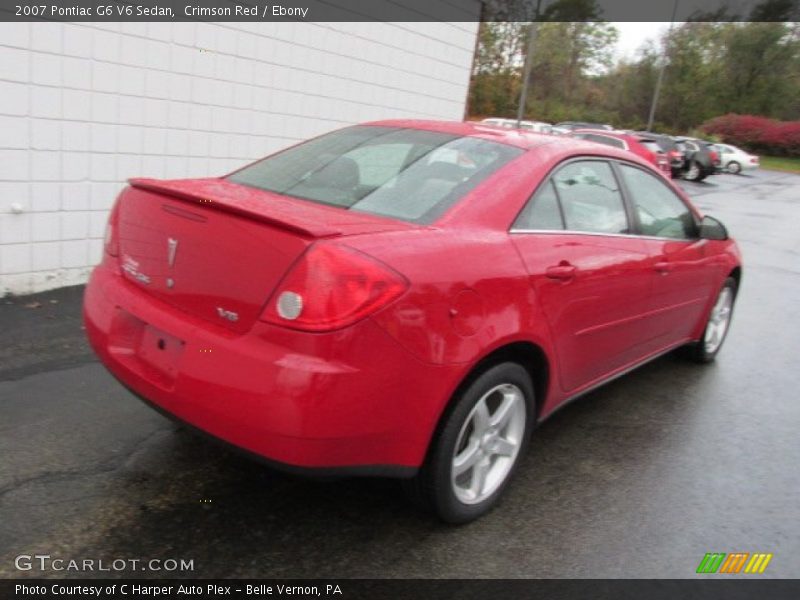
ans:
(150, 352)
(160, 350)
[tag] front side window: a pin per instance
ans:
(590, 197)
(408, 174)
(660, 212)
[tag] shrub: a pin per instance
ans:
(757, 134)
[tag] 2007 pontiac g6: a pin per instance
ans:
(404, 298)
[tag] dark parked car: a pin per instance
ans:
(700, 158)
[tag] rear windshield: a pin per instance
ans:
(666, 144)
(652, 146)
(407, 174)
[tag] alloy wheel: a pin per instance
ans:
(718, 321)
(488, 443)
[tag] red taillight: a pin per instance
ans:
(332, 287)
(111, 240)
(714, 156)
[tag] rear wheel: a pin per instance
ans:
(734, 167)
(719, 320)
(478, 447)
(694, 172)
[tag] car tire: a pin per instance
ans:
(703, 351)
(694, 172)
(493, 452)
(734, 167)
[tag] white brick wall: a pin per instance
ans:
(84, 106)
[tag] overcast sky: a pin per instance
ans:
(633, 35)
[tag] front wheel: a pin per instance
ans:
(719, 320)
(479, 443)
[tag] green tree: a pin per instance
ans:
(710, 69)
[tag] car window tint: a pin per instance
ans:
(378, 163)
(542, 211)
(661, 213)
(590, 197)
(409, 174)
(610, 141)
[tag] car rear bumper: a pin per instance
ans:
(349, 402)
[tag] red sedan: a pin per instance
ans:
(646, 148)
(404, 298)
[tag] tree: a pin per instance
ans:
(711, 69)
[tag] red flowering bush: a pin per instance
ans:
(757, 134)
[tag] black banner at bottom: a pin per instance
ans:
(432, 589)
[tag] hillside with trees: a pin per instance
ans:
(712, 69)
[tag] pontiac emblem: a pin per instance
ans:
(172, 249)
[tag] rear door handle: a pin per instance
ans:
(663, 267)
(562, 272)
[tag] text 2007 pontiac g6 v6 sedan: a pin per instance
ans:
(404, 298)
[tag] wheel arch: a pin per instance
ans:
(527, 354)
(531, 356)
(736, 273)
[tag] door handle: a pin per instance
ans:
(663, 267)
(562, 272)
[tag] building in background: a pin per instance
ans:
(84, 106)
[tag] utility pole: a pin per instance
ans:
(660, 79)
(528, 64)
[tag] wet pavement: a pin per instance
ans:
(638, 479)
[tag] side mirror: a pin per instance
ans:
(712, 229)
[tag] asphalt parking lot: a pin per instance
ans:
(638, 479)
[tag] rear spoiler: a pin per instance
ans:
(252, 203)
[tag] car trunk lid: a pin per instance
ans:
(216, 249)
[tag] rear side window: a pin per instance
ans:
(660, 212)
(590, 197)
(542, 212)
(409, 174)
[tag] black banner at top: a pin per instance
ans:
(399, 10)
